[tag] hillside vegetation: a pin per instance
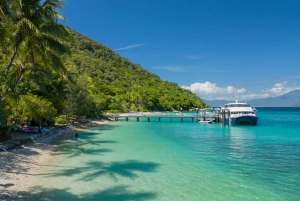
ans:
(118, 85)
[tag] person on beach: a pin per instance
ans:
(76, 136)
(40, 131)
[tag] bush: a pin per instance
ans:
(4, 133)
(50, 123)
(60, 120)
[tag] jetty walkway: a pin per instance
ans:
(158, 116)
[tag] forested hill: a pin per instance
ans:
(118, 85)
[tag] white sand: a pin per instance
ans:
(18, 167)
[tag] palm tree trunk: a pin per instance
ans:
(12, 57)
(20, 80)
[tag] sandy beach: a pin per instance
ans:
(18, 166)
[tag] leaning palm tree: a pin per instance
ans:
(34, 24)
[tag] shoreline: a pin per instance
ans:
(18, 165)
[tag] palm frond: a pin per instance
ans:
(27, 26)
(58, 31)
(16, 7)
(56, 46)
(2, 15)
(48, 9)
(54, 3)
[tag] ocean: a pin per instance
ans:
(188, 161)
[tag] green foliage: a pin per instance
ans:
(121, 86)
(31, 107)
(50, 123)
(80, 100)
(32, 59)
(2, 113)
(61, 120)
(5, 133)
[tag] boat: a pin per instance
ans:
(205, 121)
(205, 115)
(30, 129)
(241, 113)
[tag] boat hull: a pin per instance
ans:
(252, 120)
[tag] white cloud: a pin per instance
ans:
(211, 91)
(207, 88)
(281, 88)
(130, 47)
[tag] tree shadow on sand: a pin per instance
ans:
(114, 170)
(85, 138)
(102, 127)
(75, 149)
(118, 193)
(16, 163)
(7, 185)
(78, 151)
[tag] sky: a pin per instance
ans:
(218, 49)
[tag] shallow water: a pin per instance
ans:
(177, 161)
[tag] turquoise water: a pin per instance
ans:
(177, 161)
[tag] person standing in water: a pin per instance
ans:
(76, 136)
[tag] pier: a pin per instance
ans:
(161, 115)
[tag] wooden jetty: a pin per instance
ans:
(160, 116)
(218, 115)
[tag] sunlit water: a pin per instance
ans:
(177, 161)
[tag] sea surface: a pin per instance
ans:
(182, 161)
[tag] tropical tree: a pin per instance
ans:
(35, 31)
(80, 99)
(3, 13)
(35, 42)
(31, 107)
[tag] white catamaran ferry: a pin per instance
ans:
(241, 113)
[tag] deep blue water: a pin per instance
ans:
(178, 161)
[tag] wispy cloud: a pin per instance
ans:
(199, 56)
(173, 68)
(194, 57)
(130, 47)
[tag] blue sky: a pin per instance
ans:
(215, 48)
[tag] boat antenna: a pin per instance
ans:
(235, 97)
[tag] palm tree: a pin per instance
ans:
(3, 11)
(34, 25)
